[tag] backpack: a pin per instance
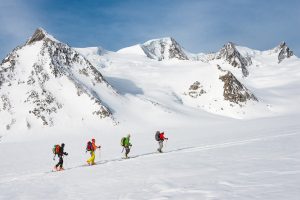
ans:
(56, 149)
(157, 135)
(123, 141)
(89, 146)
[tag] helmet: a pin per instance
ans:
(62, 144)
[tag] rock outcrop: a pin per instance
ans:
(234, 90)
(283, 52)
(233, 57)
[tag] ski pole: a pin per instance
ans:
(99, 154)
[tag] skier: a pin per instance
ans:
(160, 139)
(92, 148)
(60, 154)
(125, 142)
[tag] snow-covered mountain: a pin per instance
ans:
(46, 81)
(158, 49)
(225, 81)
(38, 80)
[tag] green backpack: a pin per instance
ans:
(123, 141)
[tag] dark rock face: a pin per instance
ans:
(233, 57)
(196, 90)
(284, 52)
(38, 35)
(235, 91)
(159, 49)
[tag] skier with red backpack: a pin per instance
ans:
(92, 147)
(59, 151)
(160, 137)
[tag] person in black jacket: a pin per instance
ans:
(61, 153)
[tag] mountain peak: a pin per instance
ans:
(283, 51)
(160, 40)
(164, 48)
(230, 53)
(229, 45)
(39, 35)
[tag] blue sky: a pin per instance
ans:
(198, 25)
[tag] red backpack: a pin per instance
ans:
(56, 149)
(89, 146)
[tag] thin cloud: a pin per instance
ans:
(198, 25)
(17, 21)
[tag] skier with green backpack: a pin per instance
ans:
(125, 143)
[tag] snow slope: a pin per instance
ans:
(258, 160)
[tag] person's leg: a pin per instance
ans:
(161, 144)
(59, 164)
(93, 158)
(127, 150)
(55, 167)
(90, 160)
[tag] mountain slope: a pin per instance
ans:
(46, 80)
(239, 95)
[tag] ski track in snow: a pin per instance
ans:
(179, 150)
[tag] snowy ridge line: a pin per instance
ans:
(230, 144)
